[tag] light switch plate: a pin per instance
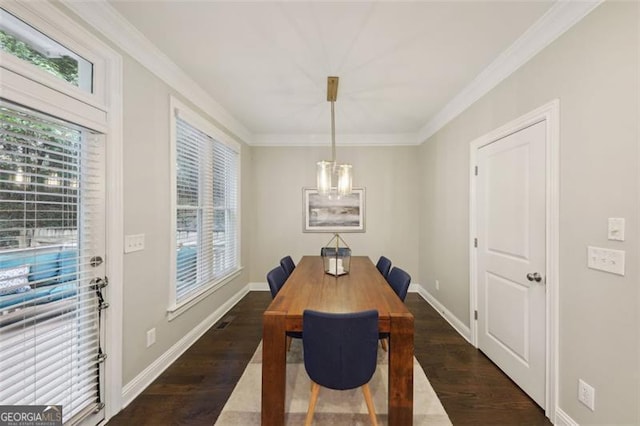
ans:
(616, 229)
(133, 243)
(607, 260)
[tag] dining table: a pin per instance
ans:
(362, 288)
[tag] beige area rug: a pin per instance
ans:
(335, 408)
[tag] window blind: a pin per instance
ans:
(51, 225)
(206, 210)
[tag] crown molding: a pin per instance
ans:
(390, 139)
(556, 21)
(107, 21)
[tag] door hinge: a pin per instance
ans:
(475, 242)
(475, 315)
(476, 171)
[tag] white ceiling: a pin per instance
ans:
(267, 62)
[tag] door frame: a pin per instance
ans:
(550, 113)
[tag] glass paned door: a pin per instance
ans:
(52, 239)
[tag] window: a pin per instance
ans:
(30, 45)
(206, 206)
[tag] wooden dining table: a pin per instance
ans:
(363, 288)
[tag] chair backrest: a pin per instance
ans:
(340, 350)
(399, 281)
(287, 264)
(276, 278)
(384, 266)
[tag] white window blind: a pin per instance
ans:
(51, 225)
(206, 210)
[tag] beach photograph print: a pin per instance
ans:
(333, 214)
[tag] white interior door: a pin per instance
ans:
(511, 258)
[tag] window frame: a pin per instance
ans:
(66, 35)
(187, 114)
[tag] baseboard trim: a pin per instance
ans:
(563, 419)
(135, 387)
(415, 288)
(258, 287)
(455, 322)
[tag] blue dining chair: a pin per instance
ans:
(384, 266)
(340, 352)
(287, 264)
(399, 281)
(276, 279)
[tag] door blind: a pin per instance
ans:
(206, 210)
(51, 226)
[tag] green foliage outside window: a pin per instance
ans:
(32, 153)
(64, 67)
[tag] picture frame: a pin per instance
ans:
(333, 214)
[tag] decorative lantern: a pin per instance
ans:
(336, 259)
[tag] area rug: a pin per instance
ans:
(335, 408)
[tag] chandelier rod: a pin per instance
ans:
(333, 134)
(332, 96)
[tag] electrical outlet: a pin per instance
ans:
(587, 394)
(151, 337)
(437, 285)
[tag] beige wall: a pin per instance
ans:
(594, 71)
(147, 210)
(389, 176)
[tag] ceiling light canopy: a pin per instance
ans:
(333, 179)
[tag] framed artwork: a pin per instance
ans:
(333, 214)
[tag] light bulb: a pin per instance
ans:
(325, 170)
(345, 179)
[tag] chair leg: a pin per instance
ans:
(289, 339)
(383, 343)
(315, 389)
(367, 398)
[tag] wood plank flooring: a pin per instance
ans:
(194, 389)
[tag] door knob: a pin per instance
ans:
(534, 276)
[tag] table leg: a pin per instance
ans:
(401, 370)
(273, 368)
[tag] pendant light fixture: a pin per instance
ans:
(333, 178)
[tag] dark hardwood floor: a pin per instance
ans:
(194, 389)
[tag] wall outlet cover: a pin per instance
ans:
(587, 394)
(151, 337)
